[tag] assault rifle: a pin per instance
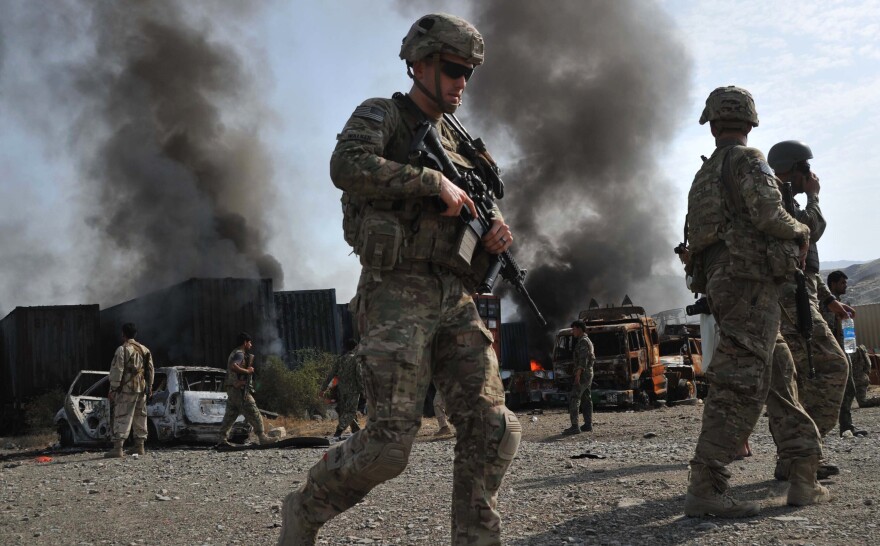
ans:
(427, 144)
(248, 378)
(801, 295)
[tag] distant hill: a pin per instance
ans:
(864, 281)
(839, 264)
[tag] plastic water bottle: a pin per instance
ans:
(849, 335)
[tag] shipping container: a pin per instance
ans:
(489, 308)
(346, 322)
(867, 322)
(41, 349)
(515, 347)
(195, 323)
(308, 319)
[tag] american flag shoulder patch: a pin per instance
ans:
(370, 112)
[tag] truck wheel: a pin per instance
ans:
(686, 390)
(65, 435)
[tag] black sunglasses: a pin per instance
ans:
(455, 70)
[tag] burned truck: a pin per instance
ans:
(627, 371)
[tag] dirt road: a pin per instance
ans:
(634, 495)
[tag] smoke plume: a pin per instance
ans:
(179, 176)
(590, 94)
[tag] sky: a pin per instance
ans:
(813, 68)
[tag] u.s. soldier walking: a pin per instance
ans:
(413, 307)
(131, 379)
(741, 243)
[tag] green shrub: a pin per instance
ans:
(39, 411)
(294, 392)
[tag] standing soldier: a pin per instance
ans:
(582, 372)
(349, 389)
(131, 381)
(820, 389)
(833, 311)
(741, 242)
(413, 305)
(239, 392)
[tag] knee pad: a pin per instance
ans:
(508, 431)
(388, 461)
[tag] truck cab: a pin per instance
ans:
(627, 371)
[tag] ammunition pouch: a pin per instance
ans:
(697, 273)
(782, 258)
(378, 245)
(352, 214)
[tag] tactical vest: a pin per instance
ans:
(714, 216)
(133, 368)
(395, 234)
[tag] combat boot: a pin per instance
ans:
(115, 451)
(705, 497)
(137, 448)
(783, 467)
(295, 530)
(826, 470)
(804, 488)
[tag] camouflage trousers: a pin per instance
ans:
(821, 395)
(580, 400)
(130, 415)
(748, 352)
(794, 432)
(415, 327)
(861, 377)
(236, 404)
(346, 407)
(440, 410)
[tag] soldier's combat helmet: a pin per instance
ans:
(731, 106)
(442, 33)
(783, 156)
(438, 33)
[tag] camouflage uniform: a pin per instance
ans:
(741, 239)
(821, 396)
(130, 373)
(861, 373)
(349, 389)
(237, 400)
(579, 399)
(417, 322)
(859, 369)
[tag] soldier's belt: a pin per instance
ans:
(422, 268)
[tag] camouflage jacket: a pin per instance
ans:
(758, 233)
(132, 368)
(811, 216)
(348, 369)
(583, 355)
(372, 165)
(233, 378)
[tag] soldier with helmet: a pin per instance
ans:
(820, 389)
(414, 311)
(742, 242)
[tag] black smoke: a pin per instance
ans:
(590, 94)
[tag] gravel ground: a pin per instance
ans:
(635, 495)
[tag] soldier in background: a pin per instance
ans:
(347, 369)
(239, 392)
(820, 394)
(741, 241)
(131, 380)
(413, 306)
(440, 413)
(580, 397)
(857, 381)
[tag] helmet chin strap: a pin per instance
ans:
(445, 107)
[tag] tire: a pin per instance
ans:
(65, 435)
(686, 390)
(152, 433)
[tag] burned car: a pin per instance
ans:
(187, 404)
